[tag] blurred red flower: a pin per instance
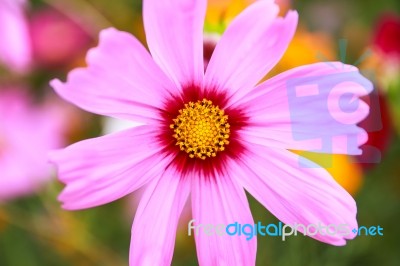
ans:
(387, 35)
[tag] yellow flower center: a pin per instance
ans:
(201, 129)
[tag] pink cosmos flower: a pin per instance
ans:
(15, 47)
(26, 134)
(56, 39)
(211, 134)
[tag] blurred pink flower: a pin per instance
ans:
(56, 39)
(26, 134)
(15, 45)
(210, 134)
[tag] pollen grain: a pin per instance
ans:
(201, 129)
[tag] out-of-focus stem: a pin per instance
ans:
(94, 252)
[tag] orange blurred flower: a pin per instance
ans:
(306, 48)
(221, 12)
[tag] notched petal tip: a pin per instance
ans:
(69, 200)
(105, 32)
(54, 83)
(68, 207)
(59, 86)
(53, 156)
(292, 14)
(290, 20)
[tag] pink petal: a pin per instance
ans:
(122, 80)
(15, 46)
(220, 200)
(313, 108)
(156, 220)
(250, 47)
(296, 190)
(174, 32)
(101, 170)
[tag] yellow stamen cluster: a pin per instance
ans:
(201, 129)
